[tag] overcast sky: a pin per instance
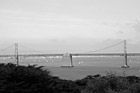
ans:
(69, 25)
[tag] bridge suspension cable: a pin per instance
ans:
(31, 49)
(4, 49)
(107, 47)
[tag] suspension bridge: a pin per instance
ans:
(18, 55)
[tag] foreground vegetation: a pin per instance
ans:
(33, 79)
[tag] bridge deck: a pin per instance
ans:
(74, 54)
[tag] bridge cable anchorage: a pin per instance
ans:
(31, 49)
(6, 48)
(107, 47)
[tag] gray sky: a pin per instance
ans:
(69, 25)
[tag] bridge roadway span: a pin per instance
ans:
(73, 54)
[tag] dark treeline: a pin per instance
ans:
(34, 79)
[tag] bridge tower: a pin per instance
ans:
(125, 55)
(16, 54)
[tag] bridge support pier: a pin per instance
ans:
(71, 61)
(68, 58)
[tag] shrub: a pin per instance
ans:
(23, 79)
(32, 79)
(112, 84)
